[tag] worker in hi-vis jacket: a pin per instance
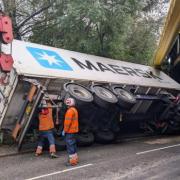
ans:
(71, 127)
(46, 126)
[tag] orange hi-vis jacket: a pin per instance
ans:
(71, 124)
(46, 120)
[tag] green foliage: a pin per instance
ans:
(119, 29)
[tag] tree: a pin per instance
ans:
(121, 29)
(25, 14)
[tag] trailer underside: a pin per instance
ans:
(155, 110)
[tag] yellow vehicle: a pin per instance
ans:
(167, 55)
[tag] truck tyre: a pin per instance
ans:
(103, 96)
(85, 139)
(79, 92)
(125, 99)
(104, 137)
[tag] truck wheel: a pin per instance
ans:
(103, 96)
(79, 92)
(85, 139)
(125, 99)
(104, 137)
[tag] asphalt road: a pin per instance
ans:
(140, 159)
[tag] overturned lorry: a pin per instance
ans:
(107, 92)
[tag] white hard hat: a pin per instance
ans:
(70, 102)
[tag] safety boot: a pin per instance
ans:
(38, 151)
(73, 160)
(76, 157)
(52, 151)
(53, 155)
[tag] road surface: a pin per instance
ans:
(139, 159)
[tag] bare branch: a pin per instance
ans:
(31, 16)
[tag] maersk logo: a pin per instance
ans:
(49, 59)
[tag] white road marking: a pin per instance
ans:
(152, 150)
(59, 172)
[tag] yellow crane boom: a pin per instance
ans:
(170, 32)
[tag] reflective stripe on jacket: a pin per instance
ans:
(71, 124)
(46, 120)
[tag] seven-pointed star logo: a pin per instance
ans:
(49, 59)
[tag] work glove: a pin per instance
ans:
(63, 133)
